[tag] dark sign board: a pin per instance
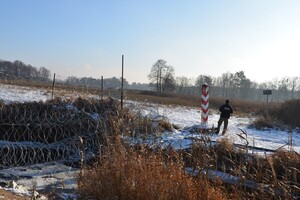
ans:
(267, 92)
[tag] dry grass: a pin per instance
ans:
(240, 106)
(284, 115)
(164, 98)
(286, 164)
(276, 176)
(288, 113)
(263, 122)
(130, 173)
(140, 172)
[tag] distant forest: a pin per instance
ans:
(229, 85)
(20, 70)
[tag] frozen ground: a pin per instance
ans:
(47, 177)
(186, 117)
(63, 178)
(11, 93)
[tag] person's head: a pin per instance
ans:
(227, 101)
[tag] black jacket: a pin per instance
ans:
(225, 110)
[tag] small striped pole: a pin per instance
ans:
(204, 105)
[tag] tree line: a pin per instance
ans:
(162, 79)
(229, 85)
(18, 69)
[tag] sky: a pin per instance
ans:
(87, 38)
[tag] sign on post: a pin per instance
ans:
(267, 92)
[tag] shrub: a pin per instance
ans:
(288, 112)
(283, 115)
(263, 122)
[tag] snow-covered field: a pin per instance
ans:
(60, 176)
(186, 117)
(11, 93)
(47, 176)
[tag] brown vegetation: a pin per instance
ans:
(4, 194)
(139, 173)
(240, 106)
(121, 171)
(147, 172)
(288, 112)
(284, 115)
(275, 176)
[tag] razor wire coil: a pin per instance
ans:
(37, 132)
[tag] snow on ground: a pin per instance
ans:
(187, 117)
(47, 175)
(44, 176)
(11, 93)
(52, 176)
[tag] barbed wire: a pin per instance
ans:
(55, 130)
(72, 123)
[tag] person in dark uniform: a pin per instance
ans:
(226, 110)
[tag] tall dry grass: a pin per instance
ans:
(240, 106)
(284, 115)
(288, 112)
(141, 172)
(124, 172)
(274, 176)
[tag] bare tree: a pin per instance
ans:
(203, 79)
(292, 85)
(33, 73)
(161, 74)
(181, 83)
(168, 82)
(225, 82)
(241, 84)
(44, 73)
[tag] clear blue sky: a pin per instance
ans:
(211, 37)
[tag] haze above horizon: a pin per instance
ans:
(197, 37)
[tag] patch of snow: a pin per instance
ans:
(41, 177)
(187, 117)
(47, 175)
(11, 93)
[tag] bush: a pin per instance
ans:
(263, 122)
(288, 112)
(283, 115)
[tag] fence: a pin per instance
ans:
(58, 129)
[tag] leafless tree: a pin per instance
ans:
(161, 75)
(203, 79)
(44, 73)
(181, 83)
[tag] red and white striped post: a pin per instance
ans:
(204, 105)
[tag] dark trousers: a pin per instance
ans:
(220, 122)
